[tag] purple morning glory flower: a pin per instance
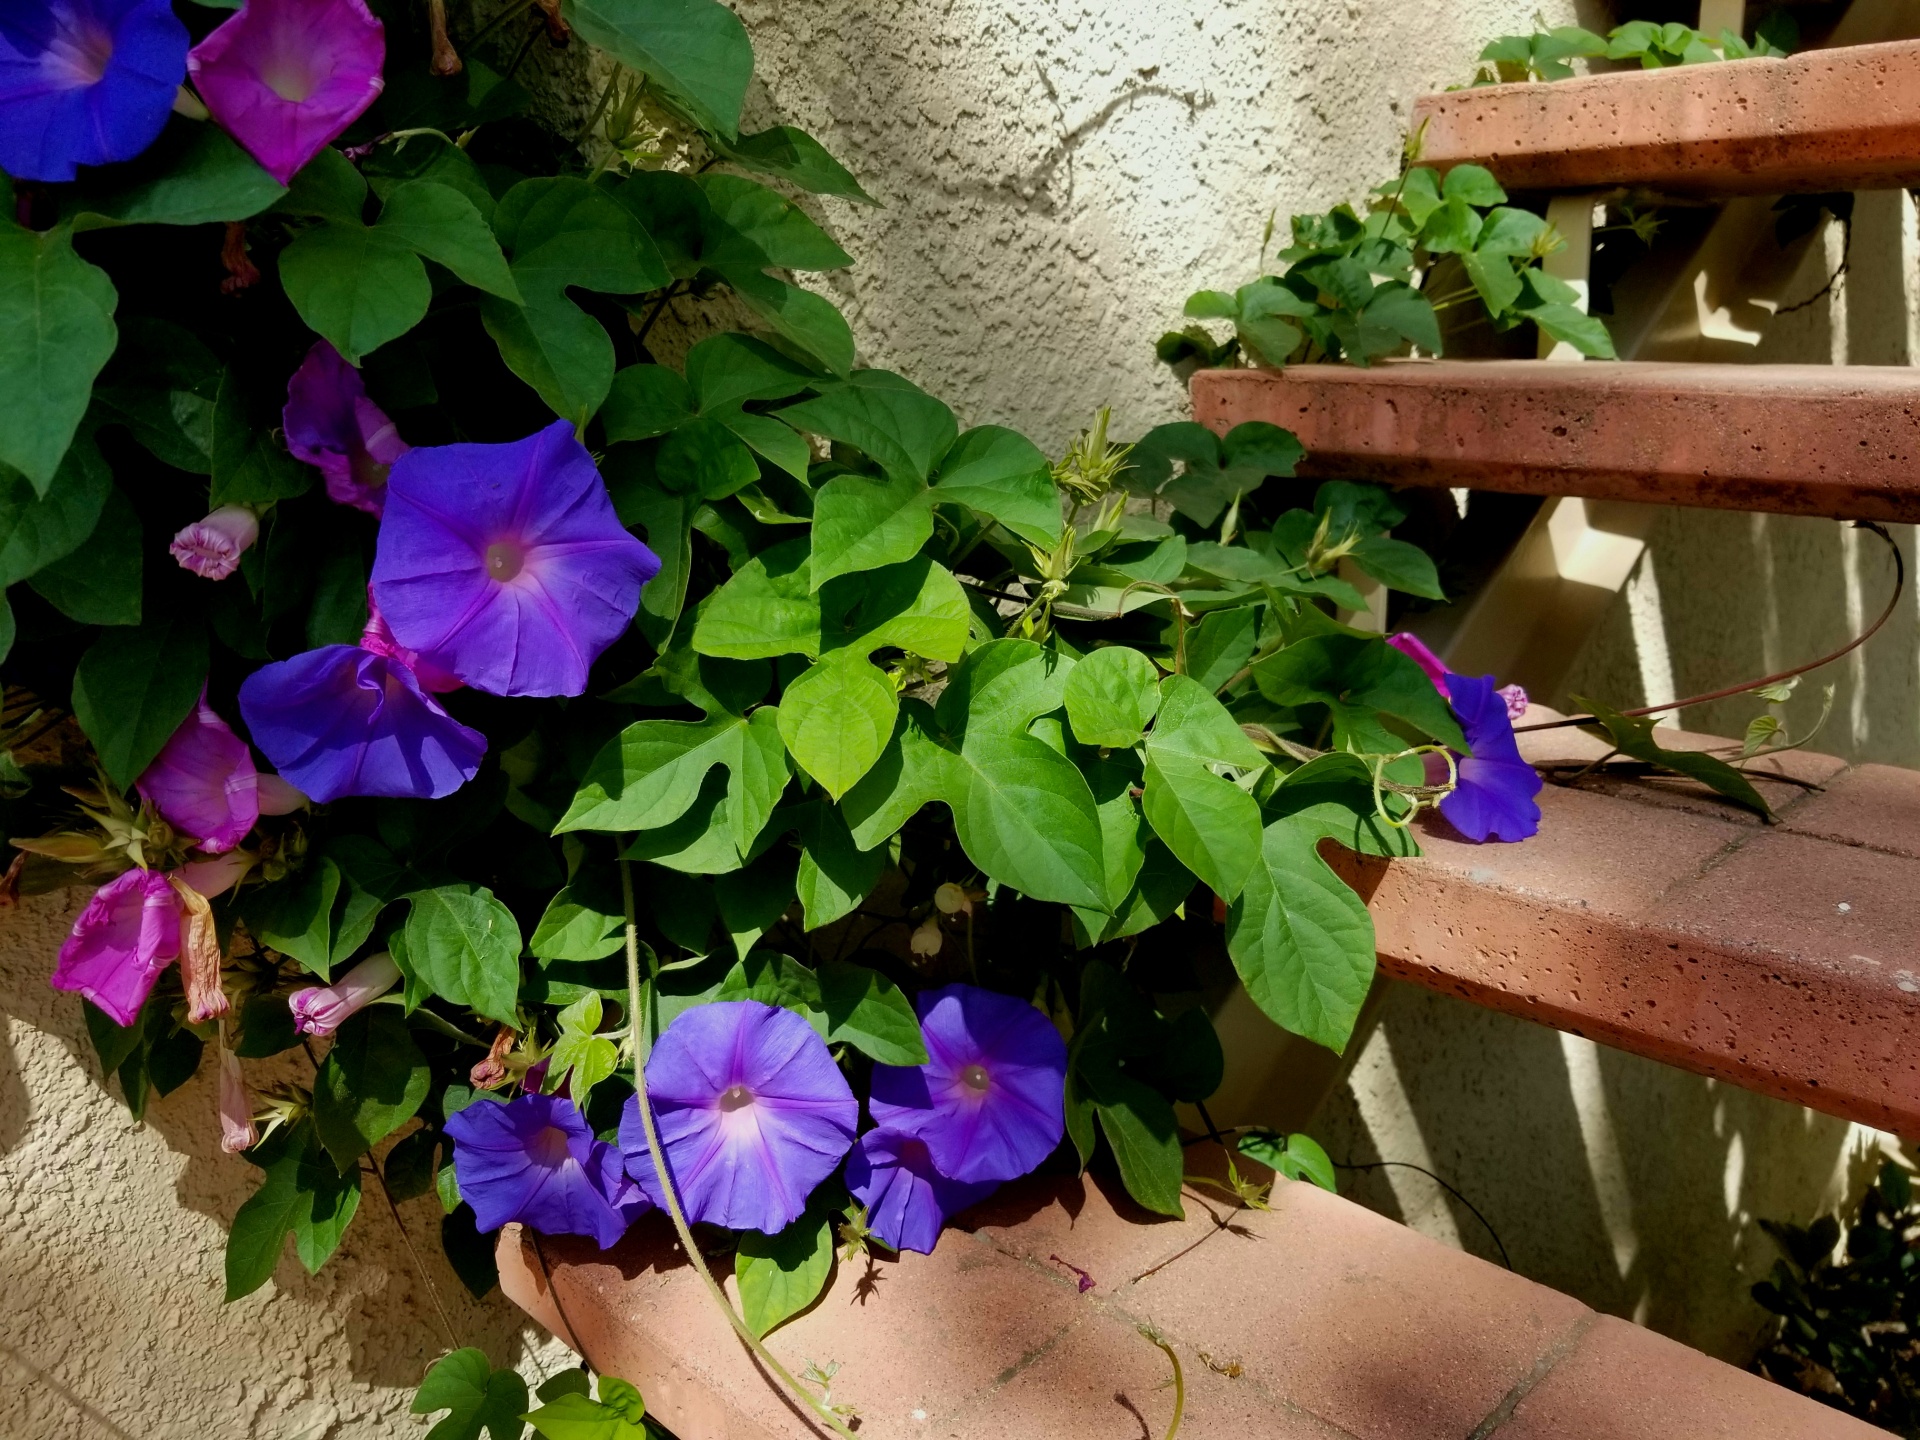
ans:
(332, 425)
(907, 1199)
(533, 1160)
(506, 564)
(991, 1101)
(752, 1114)
(85, 82)
(203, 782)
(286, 77)
(344, 720)
(1494, 798)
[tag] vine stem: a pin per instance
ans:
(1154, 1337)
(1899, 588)
(637, 1033)
(433, 1290)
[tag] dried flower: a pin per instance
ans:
(211, 548)
(332, 425)
(907, 1199)
(85, 82)
(752, 1114)
(237, 1129)
(321, 1010)
(199, 954)
(991, 1101)
(286, 77)
(505, 564)
(533, 1160)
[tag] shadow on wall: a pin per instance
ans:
(1719, 598)
(1630, 1185)
(112, 1244)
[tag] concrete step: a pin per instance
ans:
(1835, 440)
(1840, 119)
(1659, 919)
(1314, 1320)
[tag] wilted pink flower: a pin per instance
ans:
(332, 425)
(1516, 698)
(321, 1011)
(203, 782)
(199, 955)
(125, 937)
(212, 547)
(237, 1130)
(286, 77)
(1415, 649)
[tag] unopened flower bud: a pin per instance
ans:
(212, 547)
(927, 938)
(951, 899)
(323, 1010)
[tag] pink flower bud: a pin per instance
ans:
(212, 547)
(237, 1130)
(321, 1011)
(1516, 699)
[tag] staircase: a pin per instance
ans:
(1657, 921)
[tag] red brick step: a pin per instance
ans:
(1841, 441)
(1317, 1320)
(1841, 119)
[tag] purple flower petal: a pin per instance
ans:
(752, 1114)
(533, 1160)
(85, 82)
(332, 425)
(1494, 798)
(286, 77)
(907, 1199)
(991, 1101)
(126, 936)
(341, 720)
(203, 782)
(506, 564)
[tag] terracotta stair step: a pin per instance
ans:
(1315, 1320)
(1659, 919)
(1835, 440)
(1841, 119)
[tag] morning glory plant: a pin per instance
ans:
(647, 784)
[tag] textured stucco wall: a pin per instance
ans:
(112, 1238)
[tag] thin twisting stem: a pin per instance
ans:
(433, 1291)
(637, 1033)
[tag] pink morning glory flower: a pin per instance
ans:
(533, 1160)
(907, 1199)
(85, 82)
(237, 1130)
(211, 548)
(990, 1103)
(286, 77)
(752, 1114)
(332, 425)
(321, 1010)
(203, 782)
(505, 564)
(128, 933)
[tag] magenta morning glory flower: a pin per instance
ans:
(321, 1010)
(128, 934)
(85, 82)
(331, 424)
(1494, 797)
(907, 1199)
(991, 1101)
(505, 564)
(203, 782)
(533, 1160)
(752, 1114)
(286, 77)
